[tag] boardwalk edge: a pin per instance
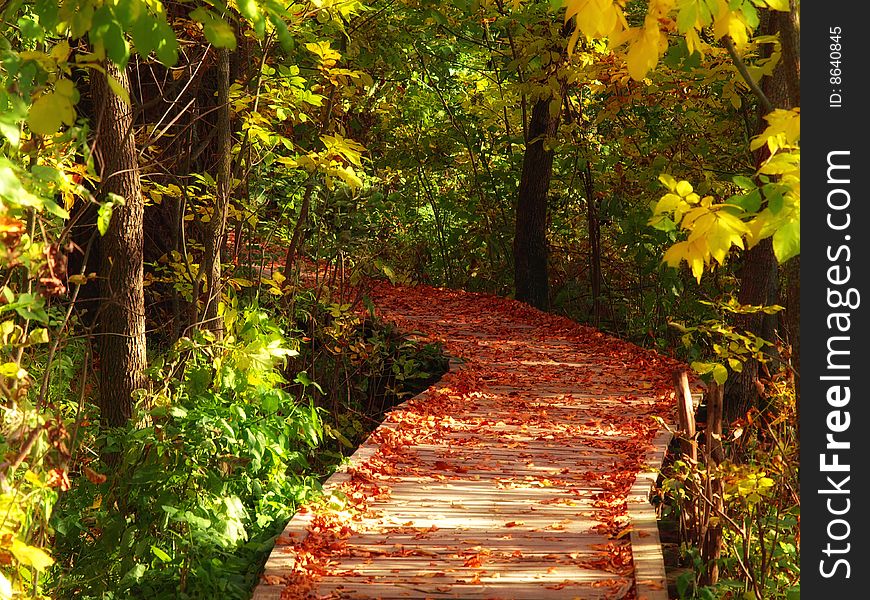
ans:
(297, 526)
(649, 565)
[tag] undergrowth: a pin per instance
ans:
(187, 499)
(760, 514)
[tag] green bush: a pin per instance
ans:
(191, 492)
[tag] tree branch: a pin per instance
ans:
(744, 72)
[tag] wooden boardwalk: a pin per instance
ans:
(523, 474)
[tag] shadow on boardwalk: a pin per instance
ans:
(522, 474)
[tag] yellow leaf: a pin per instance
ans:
(31, 556)
(49, 112)
(676, 254)
(684, 188)
(643, 55)
(723, 234)
(668, 181)
(693, 42)
(781, 163)
(668, 203)
(695, 257)
(595, 18)
(731, 23)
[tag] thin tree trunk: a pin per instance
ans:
(530, 239)
(121, 346)
(298, 231)
(214, 234)
(594, 230)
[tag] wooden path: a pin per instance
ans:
(523, 474)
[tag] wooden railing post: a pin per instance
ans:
(686, 412)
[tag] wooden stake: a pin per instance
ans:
(686, 412)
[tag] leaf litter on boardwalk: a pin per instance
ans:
(510, 393)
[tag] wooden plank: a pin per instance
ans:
(515, 496)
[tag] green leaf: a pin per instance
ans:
(774, 202)
(743, 182)
(787, 241)
(251, 11)
(38, 336)
(750, 202)
(54, 208)
(687, 16)
(11, 189)
(166, 46)
(107, 31)
(160, 554)
(117, 48)
(684, 583)
(218, 32)
(720, 374)
(144, 34)
(128, 12)
(281, 30)
(104, 216)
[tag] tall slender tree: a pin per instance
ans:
(531, 277)
(121, 318)
(216, 228)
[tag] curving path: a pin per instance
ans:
(523, 474)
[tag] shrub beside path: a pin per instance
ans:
(522, 474)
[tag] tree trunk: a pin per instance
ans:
(530, 239)
(121, 346)
(298, 239)
(760, 273)
(593, 226)
(214, 234)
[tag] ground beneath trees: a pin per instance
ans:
(508, 479)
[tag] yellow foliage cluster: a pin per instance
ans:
(714, 227)
(648, 42)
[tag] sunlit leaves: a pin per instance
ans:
(31, 556)
(53, 109)
(104, 214)
(768, 206)
(328, 57)
(153, 34)
(106, 33)
(217, 31)
(644, 51)
(783, 130)
(596, 18)
(712, 230)
(338, 159)
(646, 43)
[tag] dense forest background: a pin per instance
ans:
(194, 193)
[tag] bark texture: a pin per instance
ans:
(531, 278)
(121, 320)
(216, 229)
(759, 276)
